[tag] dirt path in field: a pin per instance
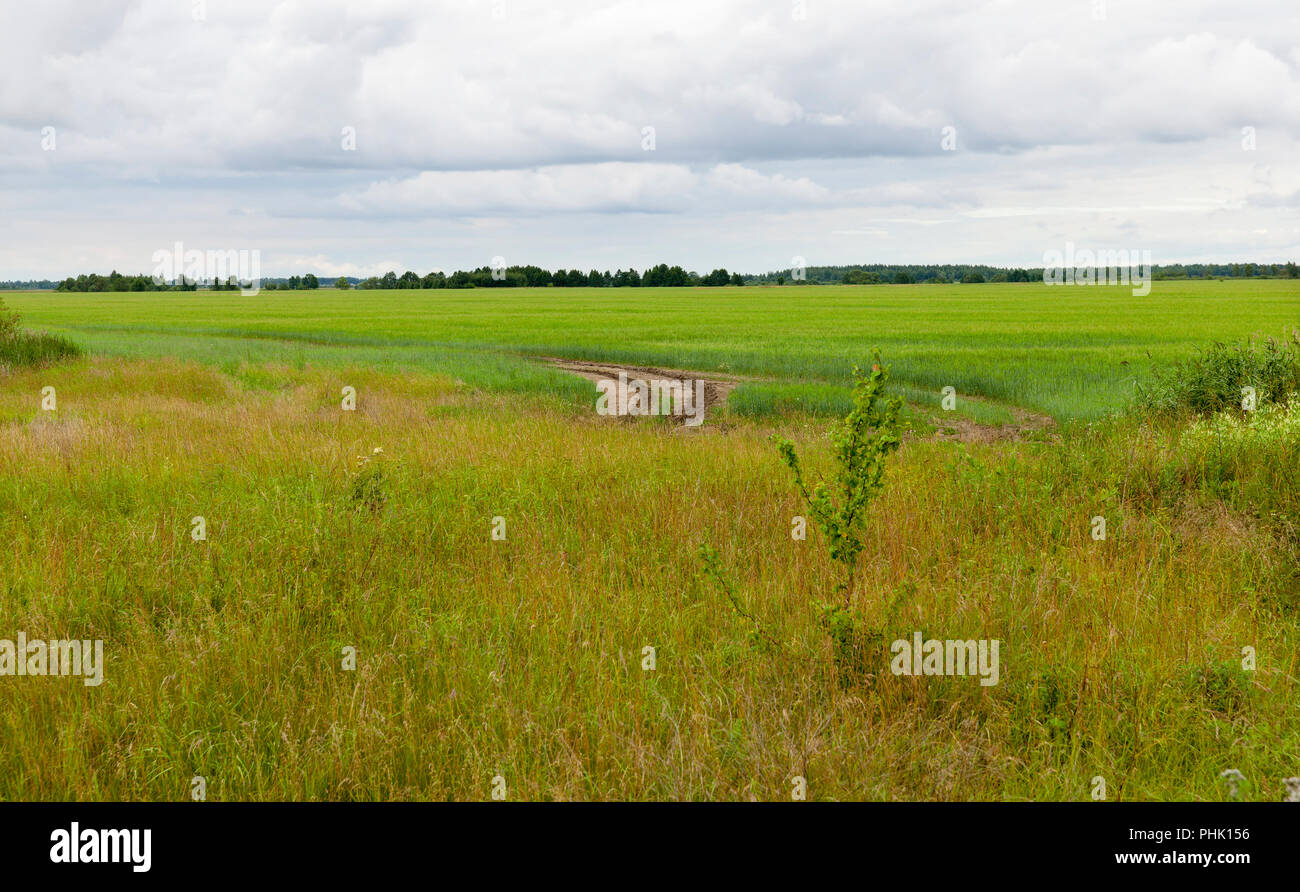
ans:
(716, 388)
(965, 430)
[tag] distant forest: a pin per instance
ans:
(656, 276)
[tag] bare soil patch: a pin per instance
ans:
(716, 387)
(965, 430)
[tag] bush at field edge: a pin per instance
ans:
(20, 348)
(1213, 381)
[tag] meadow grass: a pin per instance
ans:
(522, 658)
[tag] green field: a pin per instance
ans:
(1060, 351)
(517, 663)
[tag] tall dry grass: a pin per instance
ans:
(523, 658)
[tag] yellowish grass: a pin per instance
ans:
(523, 658)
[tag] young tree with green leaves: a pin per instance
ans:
(861, 443)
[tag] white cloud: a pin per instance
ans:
(465, 119)
(607, 187)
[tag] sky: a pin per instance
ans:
(353, 138)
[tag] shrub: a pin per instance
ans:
(861, 443)
(1213, 381)
(8, 322)
(19, 348)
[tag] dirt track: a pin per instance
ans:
(716, 388)
(964, 430)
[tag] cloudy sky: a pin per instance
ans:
(357, 137)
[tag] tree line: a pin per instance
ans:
(115, 281)
(659, 276)
(662, 275)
